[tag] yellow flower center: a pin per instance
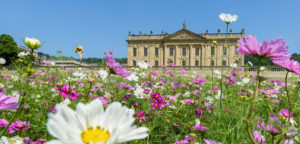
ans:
(95, 135)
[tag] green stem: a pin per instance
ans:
(288, 95)
(252, 104)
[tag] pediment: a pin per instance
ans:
(184, 34)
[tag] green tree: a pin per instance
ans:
(8, 48)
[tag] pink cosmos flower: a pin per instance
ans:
(154, 74)
(182, 71)
(68, 92)
(8, 102)
(200, 127)
(270, 128)
(289, 65)
(234, 73)
(285, 113)
(172, 98)
(182, 142)
(140, 115)
(47, 62)
(199, 111)
(258, 137)
(274, 50)
(18, 126)
(172, 64)
(211, 142)
(116, 67)
(110, 52)
(289, 141)
(187, 101)
(3, 123)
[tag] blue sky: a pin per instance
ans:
(100, 25)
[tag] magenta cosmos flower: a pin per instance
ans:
(258, 137)
(115, 67)
(274, 49)
(289, 65)
(285, 113)
(8, 102)
(68, 92)
(200, 127)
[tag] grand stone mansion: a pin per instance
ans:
(185, 48)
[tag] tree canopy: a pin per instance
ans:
(8, 48)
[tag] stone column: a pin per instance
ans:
(177, 55)
(151, 55)
(140, 53)
(203, 55)
(161, 55)
(190, 55)
(165, 54)
(128, 56)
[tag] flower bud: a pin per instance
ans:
(32, 43)
(79, 51)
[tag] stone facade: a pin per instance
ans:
(185, 48)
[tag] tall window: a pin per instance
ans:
(212, 51)
(183, 51)
(156, 51)
(196, 63)
(145, 51)
(224, 62)
(197, 51)
(212, 63)
(171, 51)
(183, 63)
(224, 50)
(134, 63)
(134, 51)
(156, 63)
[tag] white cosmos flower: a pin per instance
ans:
(143, 65)
(197, 121)
(91, 124)
(139, 92)
(218, 95)
(12, 140)
(234, 65)
(228, 18)
(2, 61)
(79, 75)
(103, 74)
(187, 94)
(14, 77)
(66, 101)
(209, 99)
(217, 72)
(132, 77)
(24, 53)
(246, 80)
(142, 74)
(293, 122)
(262, 68)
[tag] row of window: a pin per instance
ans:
(145, 51)
(183, 63)
(171, 52)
